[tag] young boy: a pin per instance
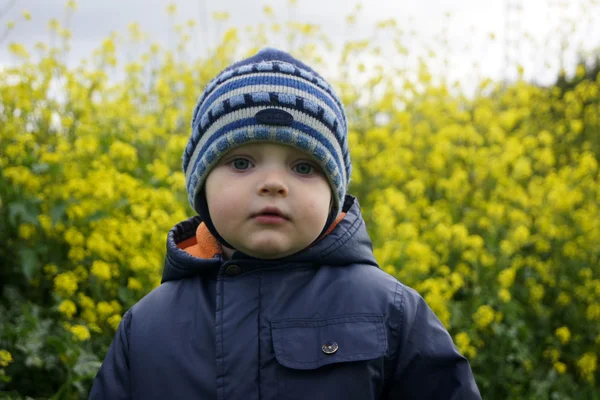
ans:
(273, 292)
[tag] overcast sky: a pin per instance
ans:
(467, 29)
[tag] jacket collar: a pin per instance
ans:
(347, 243)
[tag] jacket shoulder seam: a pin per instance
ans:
(343, 239)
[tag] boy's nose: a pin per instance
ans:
(273, 184)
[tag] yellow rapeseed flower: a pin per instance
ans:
(268, 10)
(520, 236)
(50, 269)
(76, 254)
(67, 308)
(506, 277)
(484, 316)
(585, 273)
(54, 25)
(114, 321)
(536, 292)
(5, 358)
(19, 50)
(487, 260)
(104, 308)
(507, 248)
(80, 332)
(74, 237)
(26, 231)
(123, 154)
(563, 299)
(580, 72)
(592, 312)
(587, 365)
(439, 306)
(116, 307)
(81, 272)
(101, 270)
(171, 9)
(135, 284)
(522, 168)
(65, 284)
(552, 354)
(85, 301)
(504, 295)
(560, 367)
(463, 343)
(563, 334)
(90, 316)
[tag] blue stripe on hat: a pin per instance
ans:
(282, 80)
(260, 97)
(262, 133)
(279, 99)
(283, 135)
(236, 100)
(303, 143)
(287, 98)
(287, 68)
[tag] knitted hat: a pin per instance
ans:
(269, 97)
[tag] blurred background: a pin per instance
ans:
(543, 36)
(475, 139)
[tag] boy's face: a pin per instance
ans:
(254, 182)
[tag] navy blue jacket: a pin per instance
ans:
(325, 323)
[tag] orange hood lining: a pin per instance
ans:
(204, 244)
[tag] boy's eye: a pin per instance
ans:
(304, 168)
(241, 163)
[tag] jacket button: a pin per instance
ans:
(329, 347)
(233, 270)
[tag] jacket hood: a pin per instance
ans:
(348, 243)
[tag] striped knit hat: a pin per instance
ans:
(269, 97)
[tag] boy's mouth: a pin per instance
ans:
(270, 211)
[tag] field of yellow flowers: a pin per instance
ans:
(487, 205)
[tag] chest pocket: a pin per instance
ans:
(340, 357)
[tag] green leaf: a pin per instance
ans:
(100, 214)
(125, 295)
(56, 343)
(124, 202)
(23, 211)
(30, 264)
(57, 212)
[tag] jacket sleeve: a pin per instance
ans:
(112, 380)
(427, 364)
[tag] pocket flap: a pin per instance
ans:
(312, 343)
